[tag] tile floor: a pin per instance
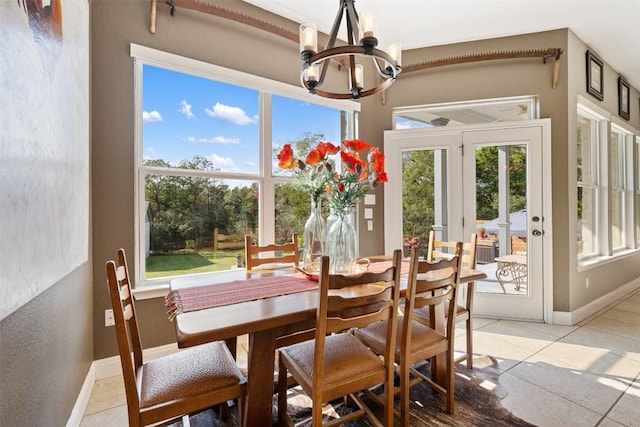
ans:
(583, 375)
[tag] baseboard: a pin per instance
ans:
(82, 401)
(573, 317)
(105, 368)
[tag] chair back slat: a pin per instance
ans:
(256, 255)
(360, 310)
(120, 273)
(128, 312)
(125, 293)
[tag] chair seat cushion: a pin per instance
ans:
(339, 348)
(188, 373)
(422, 336)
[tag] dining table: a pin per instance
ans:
(266, 304)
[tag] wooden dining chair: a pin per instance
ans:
(464, 310)
(336, 364)
(287, 253)
(172, 386)
(429, 284)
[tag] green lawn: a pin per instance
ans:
(190, 262)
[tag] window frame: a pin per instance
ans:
(266, 180)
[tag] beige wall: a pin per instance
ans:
(117, 24)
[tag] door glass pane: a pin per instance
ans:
(422, 176)
(501, 218)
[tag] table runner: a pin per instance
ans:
(201, 297)
(214, 295)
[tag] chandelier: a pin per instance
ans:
(386, 63)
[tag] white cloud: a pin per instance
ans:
(185, 108)
(150, 117)
(221, 140)
(224, 163)
(231, 114)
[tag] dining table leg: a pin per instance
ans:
(259, 402)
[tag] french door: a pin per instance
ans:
(492, 180)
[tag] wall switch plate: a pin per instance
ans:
(108, 318)
(370, 225)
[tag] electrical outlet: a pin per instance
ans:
(586, 283)
(108, 318)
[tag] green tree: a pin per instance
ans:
(487, 175)
(417, 195)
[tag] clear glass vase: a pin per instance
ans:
(315, 235)
(342, 245)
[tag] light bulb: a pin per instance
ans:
(395, 52)
(367, 23)
(308, 37)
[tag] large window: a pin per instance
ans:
(206, 143)
(607, 187)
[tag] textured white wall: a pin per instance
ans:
(44, 151)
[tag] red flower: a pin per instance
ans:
(314, 157)
(357, 145)
(376, 158)
(327, 148)
(286, 159)
(352, 162)
(377, 179)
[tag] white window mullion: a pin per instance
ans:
(636, 189)
(267, 194)
(604, 190)
(630, 192)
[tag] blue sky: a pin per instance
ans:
(185, 116)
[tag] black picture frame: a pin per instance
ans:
(624, 100)
(595, 76)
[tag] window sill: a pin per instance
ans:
(151, 291)
(599, 261)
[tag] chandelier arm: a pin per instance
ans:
(333, 35)
(382, 73)
(390, 71)
(323, 73)
(353, 22)
(355, 91)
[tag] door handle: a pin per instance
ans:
(537, 232)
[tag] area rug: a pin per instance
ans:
(478, 395)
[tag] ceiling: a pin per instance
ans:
(610, 27)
